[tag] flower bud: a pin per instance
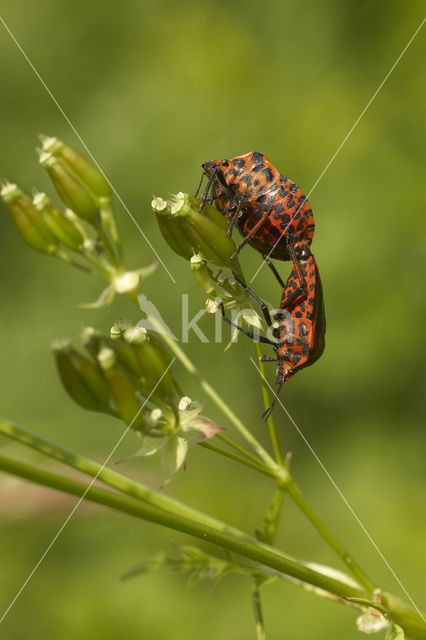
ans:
(71, 190)
(187, 231)
(94, 341)
(83, 168)
(202, 273)
(82, 378)
(122, 388)
(29, 222)
(153, 359)
(60, 225)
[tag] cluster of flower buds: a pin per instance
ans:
(79, 183)
(127, 374)
(201, 238)
(68, 235)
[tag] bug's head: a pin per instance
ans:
(210, 167)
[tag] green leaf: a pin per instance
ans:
(174, 454)
(106, 297)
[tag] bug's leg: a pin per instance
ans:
(250, 334)
(274, 271)
(267, 359)
(217, 176)
(251, 233)
(261, 303)
(199, 186)
(291, 298)
(236, 215)
(267, 413)
(209, 185)
(302, 281)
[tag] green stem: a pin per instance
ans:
(228, 454)
(108, 218)
(64, 257)
(108, 246)
(258, 616)
(267, 402)
(270, 521)
(299, 499)
(237, 447)
(191, 368)
(236, 541)
(105, 474)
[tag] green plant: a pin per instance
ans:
(128, 374)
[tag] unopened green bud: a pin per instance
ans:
(62, 227)
(94, 341)
(202, 273)
(29, 222)
(82, 378)
(154, 360)
(122, 388)
(71, 190)
(82, 167)
(187, 231)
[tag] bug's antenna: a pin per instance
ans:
(267, 413)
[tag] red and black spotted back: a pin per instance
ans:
(302, 323)
(254, 179)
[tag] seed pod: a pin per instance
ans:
(122, 388)
(202, 273)
(81, 166)
(60, 225)
(28, 221)
(82, 378)
(73, 193)
(153, 360)
(94, 341)
(187, 231)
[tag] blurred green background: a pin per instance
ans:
(155, 88)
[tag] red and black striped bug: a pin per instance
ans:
(301, 324)
(271, 212)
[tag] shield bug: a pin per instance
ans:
(271, 212)
(299, 323)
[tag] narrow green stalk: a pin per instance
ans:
(228, 454)
(236, 541)
(191, 368)
(108, 216)
(108, 246)
(267, 402)
(237, 447)
(270, 521)
(299, 499)
(64, 257)
(104, 474)
(257, 608)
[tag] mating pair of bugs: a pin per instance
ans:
(274, 216)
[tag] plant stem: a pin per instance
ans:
(236, 541)
(228, 454)
(257, 608)
(107, 215)
(270, 521)
(299, 499)
(108, 246)
(237, 447)
(105, 474)
(267, 402)
(191, 368)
